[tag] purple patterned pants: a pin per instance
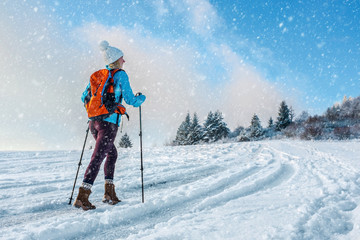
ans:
(104, 134)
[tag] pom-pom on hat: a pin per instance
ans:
(111, 54)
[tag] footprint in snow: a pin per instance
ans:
(347, 206)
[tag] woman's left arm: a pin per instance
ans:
(123, 88)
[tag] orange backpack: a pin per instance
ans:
(100, 101)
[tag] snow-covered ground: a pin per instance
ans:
(255, 190)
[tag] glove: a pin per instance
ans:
(140, 98)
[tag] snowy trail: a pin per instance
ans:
(256, 190)
(327, 214)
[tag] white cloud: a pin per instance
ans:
(161, 8)
(246, 92)
(204, 17)
(200, 16)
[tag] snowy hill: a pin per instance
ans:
(253, 190)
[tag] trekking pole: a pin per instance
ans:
(82, 153)
(141, 154)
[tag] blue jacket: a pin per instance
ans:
(121, 88)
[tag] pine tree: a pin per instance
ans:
(215, 128)
(283, 120)
(271, 123)
(195, 132)
(255, 127)
(125, 142)
(182, 135)
(209, 129)
(222, 131)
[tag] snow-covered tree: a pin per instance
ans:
(333, 113)
(283, 119)
(348, 109)
(270, 123)
(215, 128)
(256, 129)
(222, 129)
(182, 135)
(196, 132)
(302, 117)
(125, 142)
(355, 113)
(269, 132)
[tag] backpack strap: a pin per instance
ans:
(112, 73)
(117, 119)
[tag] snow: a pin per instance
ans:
(276, 189)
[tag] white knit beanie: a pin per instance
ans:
(111, 54)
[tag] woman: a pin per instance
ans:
(104, 129)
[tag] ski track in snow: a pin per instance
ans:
(327, 214)
(256, 190)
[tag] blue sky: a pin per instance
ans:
(186, 56)
(309, 45)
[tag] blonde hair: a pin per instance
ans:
(115, 64)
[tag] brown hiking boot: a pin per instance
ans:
(82, 200)
(110, 195)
